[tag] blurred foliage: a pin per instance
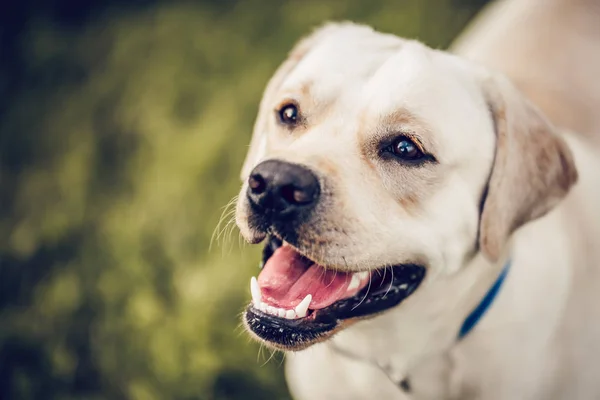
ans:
(123, 126)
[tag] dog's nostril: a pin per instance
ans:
(302, 197)
(257, 184)
(294, 195)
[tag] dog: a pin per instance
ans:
(428, 232)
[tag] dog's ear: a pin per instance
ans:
(258, 144)
(533, 167)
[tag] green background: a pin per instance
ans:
(123, 126)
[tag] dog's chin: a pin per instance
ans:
(297, 302)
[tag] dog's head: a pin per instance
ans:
(376, 161)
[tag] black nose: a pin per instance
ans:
(282, 189)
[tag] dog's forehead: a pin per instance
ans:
(341, 61)
(366, 77)
(379, 71)
(434, 86)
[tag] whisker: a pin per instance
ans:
(227, 216)
(391, 282)
(240, 241)
(229, 228)
(366, 293)
(323, 257)
(347, 268)
(224, 237)
(258, 356)
(335, 271)
(224, 214)
(232, 228)
(239, 329)
(273, 352)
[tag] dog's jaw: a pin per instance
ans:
(400, 339)
(296, 302)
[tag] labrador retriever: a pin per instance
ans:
(428, 232)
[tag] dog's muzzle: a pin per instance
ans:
(296, 301)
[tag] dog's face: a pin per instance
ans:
(371, 162)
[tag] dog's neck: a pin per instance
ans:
(400, 339)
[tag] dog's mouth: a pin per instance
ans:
(296, 302)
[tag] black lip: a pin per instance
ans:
(299, 333)
(285, 333)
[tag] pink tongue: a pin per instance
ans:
(287, 278)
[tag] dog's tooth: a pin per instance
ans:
(302, 308)
(363, 275)
(354, 282)
(271, 310)
(281, 313)
(290, 314)
(255, 290)
(263, 307)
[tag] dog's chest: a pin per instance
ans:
(321, 372)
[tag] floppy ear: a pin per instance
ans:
(258, 144)
(533, 167)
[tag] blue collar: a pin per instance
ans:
(484, 305)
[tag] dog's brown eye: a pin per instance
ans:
(288, 114)
(406, 149)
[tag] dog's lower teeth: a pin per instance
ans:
(277, 312)
(300, 311)
(282, 312)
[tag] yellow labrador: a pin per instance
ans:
(428, 233)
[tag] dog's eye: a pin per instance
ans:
(289, 114)
(405, 149)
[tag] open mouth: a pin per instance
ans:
(297, 302)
